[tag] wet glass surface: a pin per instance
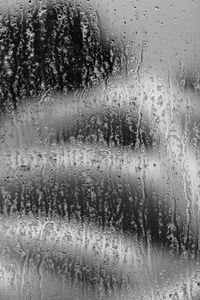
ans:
(99, 150)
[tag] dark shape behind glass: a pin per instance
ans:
(53, 47)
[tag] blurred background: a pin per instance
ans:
(99, 162)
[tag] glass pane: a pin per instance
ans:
(99, 151)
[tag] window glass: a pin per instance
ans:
(99, 150)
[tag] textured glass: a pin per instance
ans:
(99, 149)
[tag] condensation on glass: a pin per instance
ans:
(99, 162)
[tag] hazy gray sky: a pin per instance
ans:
(170, 30)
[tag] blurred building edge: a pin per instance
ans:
(53, 45)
